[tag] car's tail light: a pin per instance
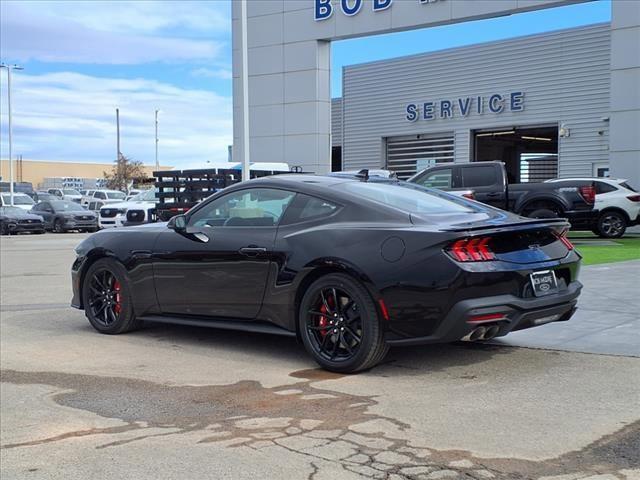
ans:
(634, 198)
(472, 250)
(588, 192)
(562, 236)
(469, 195)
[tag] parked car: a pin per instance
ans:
(571, 199)
(20, 200)
(618, 205)
(43, 196)
(62, 215)
(70, 194)
(348, 266)
(139, 209)
(366, 174)
(96, 199)
(16, 220)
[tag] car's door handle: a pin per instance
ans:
(493, 195)
(252, 251)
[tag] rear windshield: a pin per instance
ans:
(70, 191)
(116, 195)
(409, 197)
(627, 186)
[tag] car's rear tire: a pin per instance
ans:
(340, 326)
(543, 213)
(3, 229)
(611, 225)
(106, 297)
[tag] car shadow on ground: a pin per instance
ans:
(405, 361)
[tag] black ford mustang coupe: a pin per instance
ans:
(349, 266)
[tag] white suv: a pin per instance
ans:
(135, 211)
(20, 200)
(94, 200)
(618, 203)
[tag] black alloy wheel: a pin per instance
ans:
(106, 298)
(611, 225)
(339, 325)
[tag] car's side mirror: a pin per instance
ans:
(178, 223)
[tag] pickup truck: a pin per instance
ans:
(571, 199)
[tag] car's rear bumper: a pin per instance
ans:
(519, 313)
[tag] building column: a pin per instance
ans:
(624, 146)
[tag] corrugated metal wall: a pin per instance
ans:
(564, 75)
(336, 122)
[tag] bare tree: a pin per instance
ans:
(124, 172)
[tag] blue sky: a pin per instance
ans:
(83, 59)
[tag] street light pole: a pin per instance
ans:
(245, 93)
(11, 179)
(157, 164)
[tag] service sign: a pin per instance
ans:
(325, 8)
(464, 106)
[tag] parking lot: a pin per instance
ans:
(557, 402)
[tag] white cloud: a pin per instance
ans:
(111, 32)
(221, 73)
(70, 116)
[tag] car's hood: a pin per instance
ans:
(23, 216)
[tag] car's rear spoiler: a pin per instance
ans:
(522, 225)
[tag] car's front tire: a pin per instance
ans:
(611, 225)
(106, 296)
(58, 227)
(339, 325)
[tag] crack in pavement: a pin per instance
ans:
(325, 426)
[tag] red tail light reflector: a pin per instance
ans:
(634, 198)
(491, 317)
(472, 250)
(588, 192)
(470, 196)
(565, 241)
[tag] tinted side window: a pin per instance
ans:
(100, 195)
(442, 178)
(602, 187)
(306, 208)
(479, 176)
(255, 207)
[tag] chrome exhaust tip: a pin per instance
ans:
(491, 332)
(474, 335)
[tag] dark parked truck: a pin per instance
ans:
(571, 199)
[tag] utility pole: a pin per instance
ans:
(11, 179)
(157, 164)
(118, 154)
(245, 93)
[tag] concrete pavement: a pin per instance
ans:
(175, 402)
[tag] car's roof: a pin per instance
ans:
(617, 181)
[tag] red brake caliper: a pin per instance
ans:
(323, 322)
(117, 306)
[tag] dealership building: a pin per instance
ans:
(562, 103)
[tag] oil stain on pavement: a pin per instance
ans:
(323, 425)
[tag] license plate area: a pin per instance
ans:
(544, 283)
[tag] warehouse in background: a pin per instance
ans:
(539, 103)
(565, 103)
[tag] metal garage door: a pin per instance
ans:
(408, 154)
